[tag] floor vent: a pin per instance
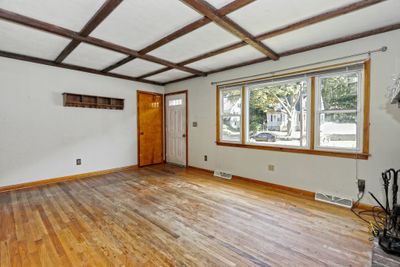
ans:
(225, 175)
(343, 202)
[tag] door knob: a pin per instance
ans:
(141, 133)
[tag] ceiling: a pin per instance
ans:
(164, 41)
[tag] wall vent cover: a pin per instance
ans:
(222, 174)
(343, 202)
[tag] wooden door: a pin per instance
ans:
(150, 128)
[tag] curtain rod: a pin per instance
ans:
(382, 49)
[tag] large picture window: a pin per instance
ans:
(316, 112)
(277, 113)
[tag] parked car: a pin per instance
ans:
(264, 137)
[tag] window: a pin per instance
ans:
(339, 111)
(320, 112)
(231, 114)
(175, 102)
(277, 113)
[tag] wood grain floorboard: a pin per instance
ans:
(167, 216)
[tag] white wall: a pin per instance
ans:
(40, 139)
(309, 172)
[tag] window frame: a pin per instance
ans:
(312, 147)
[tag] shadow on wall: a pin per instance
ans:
(393, 110)
(57, 99)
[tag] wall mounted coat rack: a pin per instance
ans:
(90, 101)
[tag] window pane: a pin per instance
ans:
(339, 92)
(175, 102)
(338, 130)
(278, 113)
(231, 102)
(231, 128)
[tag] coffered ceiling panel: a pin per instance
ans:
(355, 22)
(136, 24)
(70, 14)
(23, 40)
(219, 3)
(137, 68)
(93, 57)
(202, 40)
(169, 76)
(236, 56)
(266, 15)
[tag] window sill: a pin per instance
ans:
(350, 155)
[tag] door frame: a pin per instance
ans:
(138, 124)
(187, 124)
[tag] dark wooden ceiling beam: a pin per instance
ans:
(209, 11)
(95, 21)
(343, 39)
(191, 60)
(304, 49)
(175, 35)
(118, 64)
(295, 26)
(233, 6)
(54, 29)
(72, 67)
(155, 72)
(213, 53)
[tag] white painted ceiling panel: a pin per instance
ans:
(169, 76)
(200, 41)
(137, 23)
(27, 41)
(236, 56)
(70, 14)
(266, 15)
(137, 67)
(219, 3)
(376, 16)
(93, 57)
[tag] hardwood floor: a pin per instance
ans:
(167, 216)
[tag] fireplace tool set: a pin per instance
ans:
(387, 226)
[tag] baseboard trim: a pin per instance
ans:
(200, 169)
(286, 189)
(291, 190)
(64, 178)
(363, 206)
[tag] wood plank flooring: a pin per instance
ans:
(167, 216)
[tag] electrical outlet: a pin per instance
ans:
(78, 161)
(271, 167)
(361, 185)
(205, 157)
